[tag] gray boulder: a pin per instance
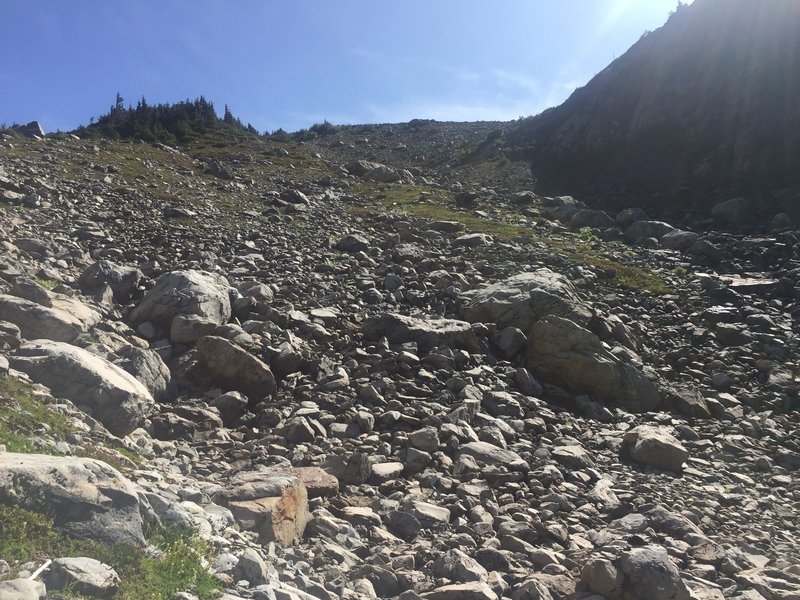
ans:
(36, 321)
(105, 391)
(87, 498)
(86, 576)
(427, 333)
(523, 299)
(678, 240)
(655, 447)
(563, 352)
(185, 293)
(233, 368)
(645, 572)
(22, 589)
(736, 211)
(641, 230)
(121, 279)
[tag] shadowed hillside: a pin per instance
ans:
(701, 109)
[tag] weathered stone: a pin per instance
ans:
(562, 352)
(655, 447)
(426, 332)
(271, 503)
(83, 575)
(88, 498)
(121, 279)
(41, 322)
(22, 589)
(523, 299)
(111, 395)
(233, 368)
(185, 293)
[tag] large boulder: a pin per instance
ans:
(563, 352)
(736, 211)
(86, 576)
(105, 391)
(645, 572)
(654, 447)
(523, 299)
(185, 293)
(87, 498)
(121, 279)
(427, 333)
(373, 171)
(233, 368)
(272, 503)
(63, 321)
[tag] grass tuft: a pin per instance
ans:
(177, 565)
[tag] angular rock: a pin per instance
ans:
(121, 279)
(87, 498)
(427, 333)
(489, 454)
(83, 575)
(42, 322)
(185, 293)
(523, 299)
(271, 503)
(654, 447)
(462, 591)
(111, 395)
(233, 368)
(562, 352)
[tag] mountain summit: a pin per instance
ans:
(705, 107)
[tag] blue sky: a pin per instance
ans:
(292, 63)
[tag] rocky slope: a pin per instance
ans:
(368, 366)
(696, 111)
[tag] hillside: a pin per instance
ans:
(370, 362)
(700, 110)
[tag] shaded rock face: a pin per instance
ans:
(271, 503)
(185, 293)
(561, 351)
(111, 395)
(233, 368)
(702, 103)
(523, 299)
(88, 498)
(36, 321)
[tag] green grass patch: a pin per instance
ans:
(438, 205)
(177, 566)
(24, 418)
(22, 415)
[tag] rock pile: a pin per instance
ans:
(363, 406)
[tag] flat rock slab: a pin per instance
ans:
(88, 498)
(108, 393)
(50, 323)
(521, 300)
(428, 333)
(489, 454)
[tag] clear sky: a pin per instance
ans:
(292, 63)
